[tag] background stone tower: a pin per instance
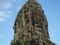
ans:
(31, 26)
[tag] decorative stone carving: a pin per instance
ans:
(31, 26)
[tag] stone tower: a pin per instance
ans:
(31, 26)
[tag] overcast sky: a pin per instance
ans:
(8, 13)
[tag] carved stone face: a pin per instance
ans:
(36, 21)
